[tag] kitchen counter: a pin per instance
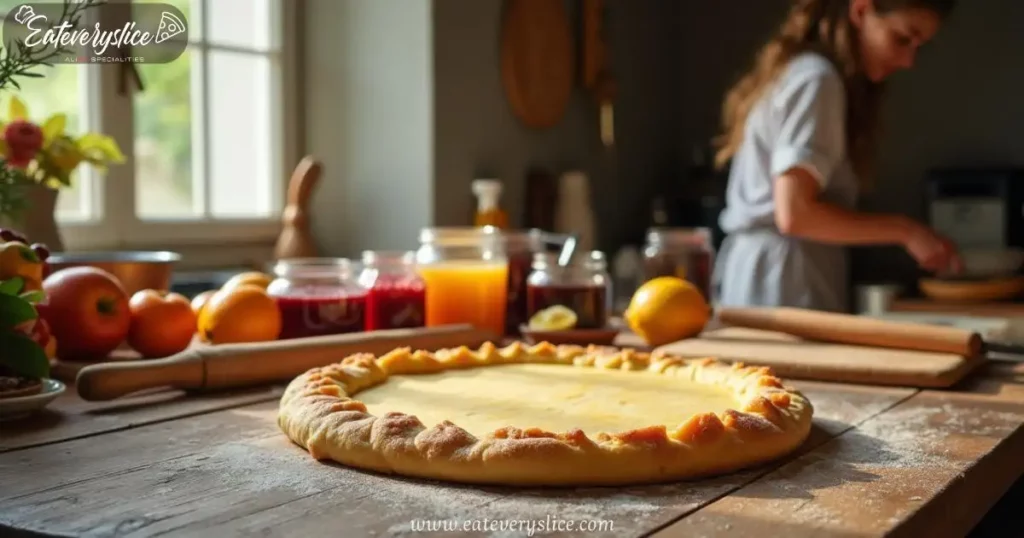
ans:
(989, 309)
(880, 461)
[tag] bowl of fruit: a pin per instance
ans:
(25, 339)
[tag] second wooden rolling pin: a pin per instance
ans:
(858, 330)
(237, 365)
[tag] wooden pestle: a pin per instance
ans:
(237, 365)
(296, 240)
(858, 330)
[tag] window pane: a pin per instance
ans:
(242, 141)
(6, 6)
(60, 90)
(163, 140)
(240, 23)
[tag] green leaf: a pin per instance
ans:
(23, 355)
(34, 297)
(14, 311)
(29, 255)
(12, 286)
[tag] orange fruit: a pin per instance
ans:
(667, 309)
(244, 313)
(162, 323)
(199, 301)
(255, 278)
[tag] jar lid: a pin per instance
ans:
(679, 236)
(594, 260)
(532, 239)
(314, 267)
(460, 235)
(388, 257)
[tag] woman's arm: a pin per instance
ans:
(800, 213)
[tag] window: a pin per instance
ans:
(206, 137)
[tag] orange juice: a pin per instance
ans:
(466, 292)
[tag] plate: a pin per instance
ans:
(578, 337)
(12, 408)
(972, 290)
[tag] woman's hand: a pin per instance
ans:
(932, 251)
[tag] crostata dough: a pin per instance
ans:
(543, 415)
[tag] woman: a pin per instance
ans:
(800, 131)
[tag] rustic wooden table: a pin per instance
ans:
(880, 461)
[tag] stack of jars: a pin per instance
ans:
(486, 277)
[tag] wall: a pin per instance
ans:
(477, 134)
(405, 99)
(369, 118)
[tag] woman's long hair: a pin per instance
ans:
(822, 26)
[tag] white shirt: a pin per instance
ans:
(799, 122)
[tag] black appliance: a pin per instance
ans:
(977, 207)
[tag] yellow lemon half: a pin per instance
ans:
(553, 318)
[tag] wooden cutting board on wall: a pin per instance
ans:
(792, 357)
(537, 60)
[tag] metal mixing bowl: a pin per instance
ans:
(137, 270)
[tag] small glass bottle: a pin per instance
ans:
(489, 211)
(687, 253)
(583, 286)
(466, 273)
(318, 296)
(396, 293)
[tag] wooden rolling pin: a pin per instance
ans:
(237, 365)
(858, 330)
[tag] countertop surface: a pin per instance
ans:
(879, 461)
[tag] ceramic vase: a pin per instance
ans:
(38, 220)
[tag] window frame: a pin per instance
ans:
(119, 227)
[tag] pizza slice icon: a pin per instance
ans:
(170, 26)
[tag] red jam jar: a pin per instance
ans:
(318, 296)
(583, 286)
(396, 296)
(520, 246)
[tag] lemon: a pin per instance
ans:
(553, 318)
(667, 309)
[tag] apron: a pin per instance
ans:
(766, 268)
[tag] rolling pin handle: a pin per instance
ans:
(110, 380)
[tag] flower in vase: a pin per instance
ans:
(49, 155)
(22, 141)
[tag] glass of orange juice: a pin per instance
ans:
(466, 273)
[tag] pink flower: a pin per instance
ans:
(24, 139)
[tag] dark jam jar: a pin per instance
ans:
(583, 286)
(318, 296)
(520, 246)
(396, 295)
(687, 253)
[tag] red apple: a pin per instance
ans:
(87, 310)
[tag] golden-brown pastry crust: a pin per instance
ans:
(318, 412)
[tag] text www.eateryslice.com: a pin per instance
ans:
(528, 526)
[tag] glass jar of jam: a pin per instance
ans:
(583, 286)
(520, 246)
(318, 296)
(395, 292)
(466, 273)
(687, 253)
